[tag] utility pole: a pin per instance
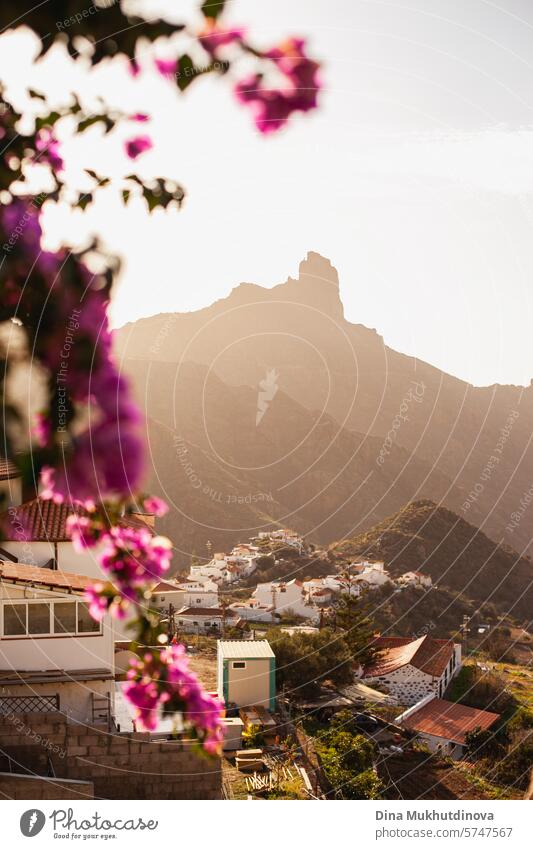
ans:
(171, 621)
(465, 630)
(223, 605)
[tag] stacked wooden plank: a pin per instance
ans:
(248, 760)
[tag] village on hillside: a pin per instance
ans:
(326, 693)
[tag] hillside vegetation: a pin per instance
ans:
(457, 555)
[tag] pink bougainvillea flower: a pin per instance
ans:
(133, 558)
(134, 68)
(102, 599)
(212, 37)
(164, 682)
(141, 117)
(98, 603)
(42, 429)
(272, 106)
(138, 145)
(48, 148)
(166, 67)
(155, 505)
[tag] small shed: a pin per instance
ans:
(246, 673)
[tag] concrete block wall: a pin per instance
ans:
(121, 766)
(36, 787)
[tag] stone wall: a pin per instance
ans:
(407, 685)
(121, 766)
(36, 787)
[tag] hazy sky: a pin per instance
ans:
(415, 178)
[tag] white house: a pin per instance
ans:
(35, 533)
(415, 579)
(283, 535)
(285, 597)
(339, 584)
(183, 595)
(208, 620)
(317, 591)
(53, 655)
(411, 669)
(443, 725)
(216, 570)
(373, 575)
(254, 611)
(246, 673)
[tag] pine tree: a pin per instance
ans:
(354, 618)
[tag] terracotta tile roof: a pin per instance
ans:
(8, 469)
(45, 521)
(427, 654)
(203, 611)
(448, 720)
(163, 587)
(44, 577)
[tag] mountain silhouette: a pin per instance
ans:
(280, 394)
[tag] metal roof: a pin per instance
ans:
(247, 649)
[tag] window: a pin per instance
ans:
(38, 618)
(65, 618)
(86, 623)
(14, 619)
(44, 618)
(239, 664)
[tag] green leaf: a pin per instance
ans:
(213, 8)
(186, 72)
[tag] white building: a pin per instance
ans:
(339, 584)
(35, 533)
(411, 669)
(209, 620)
(317, 592)
(286, 597)
(216, 570)
(246, 673)
(443, 725)
(415, 579)
(286, 536)
(183, 595)
(53, 655)
(372, 575)
(254, 611)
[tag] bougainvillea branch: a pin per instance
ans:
(83, 443)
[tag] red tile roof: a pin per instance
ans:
(427, 654)
(205, 611)
(44, 521)
(21, 572)
(448, 720)
(8, 469)
(163, 587)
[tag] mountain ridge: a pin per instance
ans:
(331, 366)
(429, 538)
